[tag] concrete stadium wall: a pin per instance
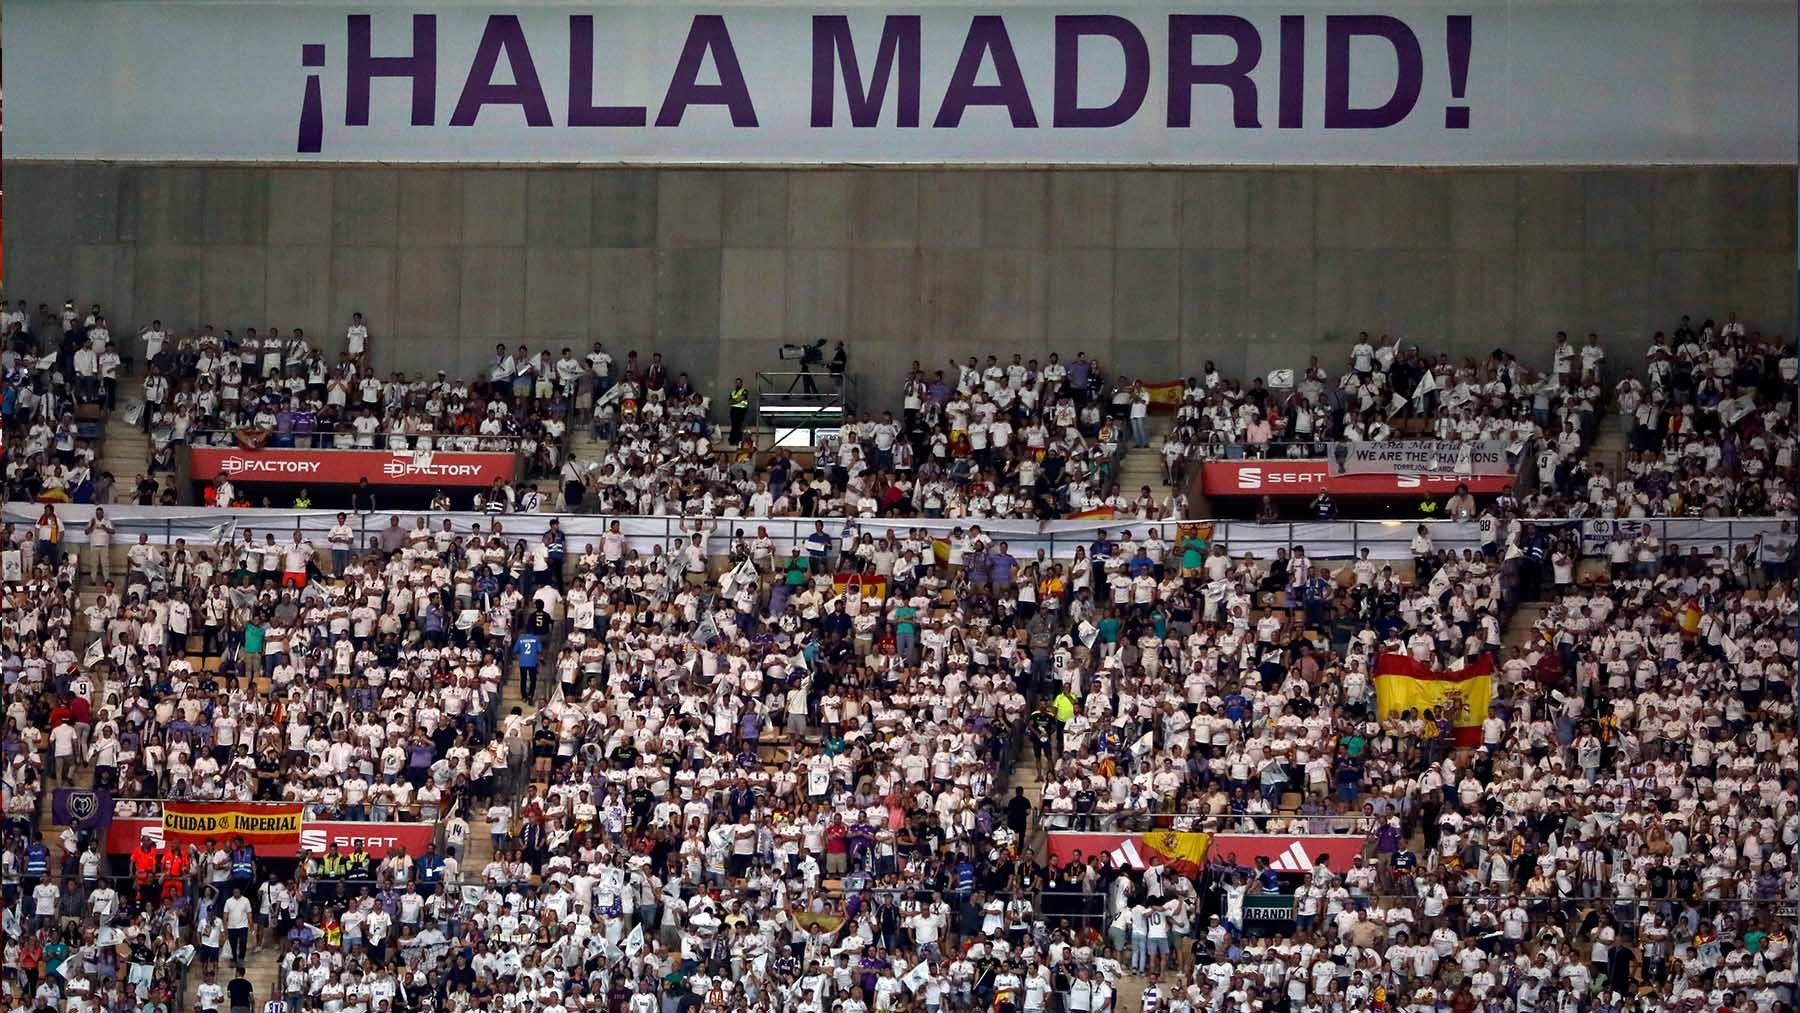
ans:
(1153, 271)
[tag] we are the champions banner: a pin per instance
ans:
(1402, 83)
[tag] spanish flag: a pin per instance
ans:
(1165, 396)
(1184, 852)
(1402, 684)
(1095, 514)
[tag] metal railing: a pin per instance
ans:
(382, 441)
(1386, 540)
(1224, 823)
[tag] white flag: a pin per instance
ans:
(634, 943)
(916, 978)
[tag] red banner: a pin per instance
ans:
(1286, 853)
(347, 467)
(1309, 477)
(314, 838)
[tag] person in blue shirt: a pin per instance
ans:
(435, 620)
(1001, 567)
(528, 648)
(429, 870)
(1141, 564)
(818, 547)
(37, 866)
(558, 550)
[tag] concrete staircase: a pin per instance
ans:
(262, 965)
(1611, 444)
(125, 452)
(1142, 466)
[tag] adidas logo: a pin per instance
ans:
(1126, 855)
(1294, 859)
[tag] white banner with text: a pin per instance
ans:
(1406, 82)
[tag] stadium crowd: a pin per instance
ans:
(778, 780)
(1013, 441)
(1621, 838)
(1710, 421)
(755, 784)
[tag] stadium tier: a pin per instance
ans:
(641, 508)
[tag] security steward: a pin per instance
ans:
(146, 871)
(740, 408)
(176, 866)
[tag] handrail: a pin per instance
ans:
(1389, 540)
(227, 438)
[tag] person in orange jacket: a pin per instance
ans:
(176, 865)
(146, 870)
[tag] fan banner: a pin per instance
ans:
(80, 808)
(315, 838)
(1459, 458)
(275, 825)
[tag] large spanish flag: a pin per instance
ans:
(1184, 852)
(1402, 684)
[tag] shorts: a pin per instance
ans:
(1158, 946)
(293, 578)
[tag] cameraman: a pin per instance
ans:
(839, 359)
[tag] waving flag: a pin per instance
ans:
(1402, 684)
(1182, 851)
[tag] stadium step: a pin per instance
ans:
(1142, 466)
(1129, 994)
(479, 852)
(125, 452)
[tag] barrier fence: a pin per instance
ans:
(1386, 540)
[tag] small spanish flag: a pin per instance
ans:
(1402, 684)
(1165, 396)
(1095, 514)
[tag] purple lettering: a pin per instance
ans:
(362, 67)
(1293, 72)
(832, 44)
(502, 37)
(311, 135)
(987, 34)
(1458, 38)
(707, 34)
(1184, 74)
(1070, 30)
(582, 110)
(1339, 30)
